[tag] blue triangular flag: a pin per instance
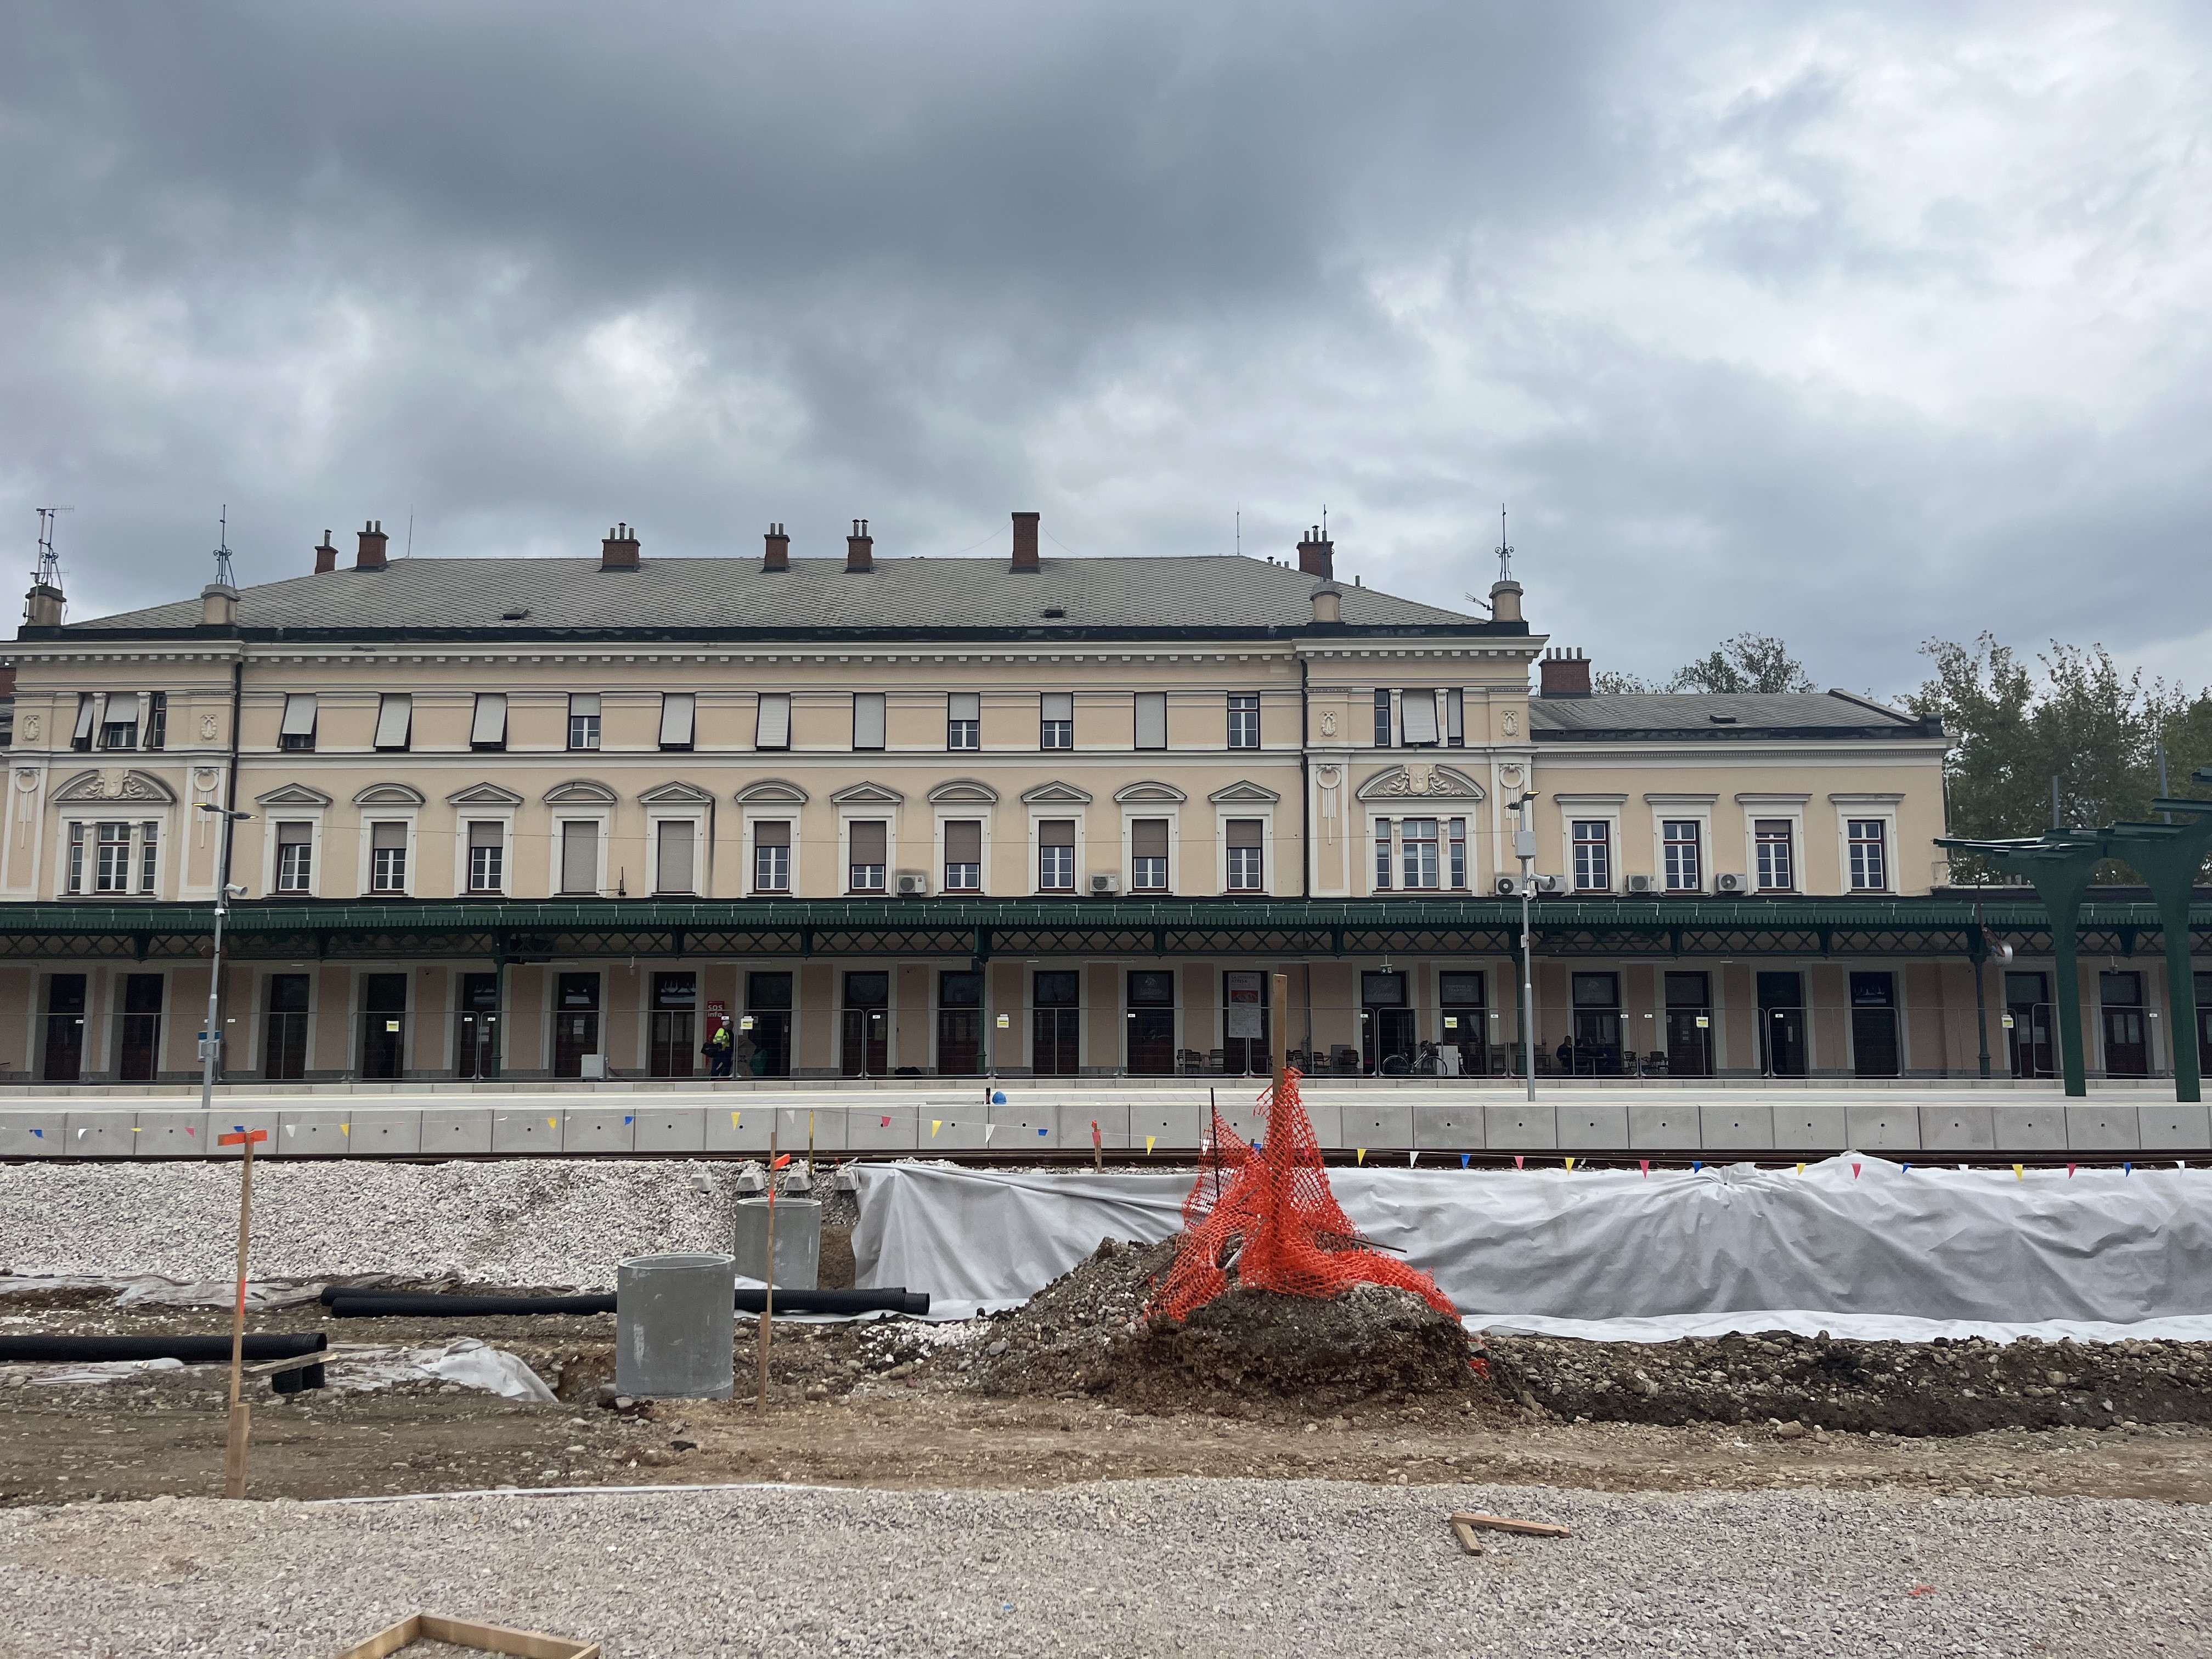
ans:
(1463, 1158)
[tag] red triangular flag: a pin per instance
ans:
(1854, 1172)
(1516, 1160)
(2069, 1172)
(780, 1162)
(887, 1123)
(1645, 1165)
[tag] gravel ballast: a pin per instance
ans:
(1255, 1568)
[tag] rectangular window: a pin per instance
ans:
(487, 857)
(868, 719)
(77, 858)
(963, 719)
(395, 721)
(489, 729)
(772, 729)
(1771, 836)
(1458, 841)
(1679, 839)
(87, 709)
(112, 864)
(119, 721)
(1381, 855)
(1056, 721)
(868, 846)
(1148, 855)
(149, 844)
(1455, 718)
(771, 858)
(387, 858)
(1056, 855)
(673, 867)
(295, 858)
(1382, 720)
(1593, 855)
(583, 719)
(1417, 839)
(1417, 717)
(678, 709)
(298, 730)
(1869, 854)
(580, 856)
(964, 855)
(1245, 854)
(157, 720)
(1151, 719)
(1243, 719)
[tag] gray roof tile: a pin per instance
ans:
(1669, 714)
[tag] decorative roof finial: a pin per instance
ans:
(1504, 551)
(223, 575)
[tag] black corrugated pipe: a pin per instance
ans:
(260, 1345)
(389, 1304)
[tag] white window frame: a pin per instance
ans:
(872, 718)
(1144, 700)
(679, 721)
(401, 704)
(1039, 811)
(1789, 806)
(312, 817)
(1608, 840)
(886, 813)
(1875, 808)
(488, 723)
(954, 719)
(465, 816)
(1420, 706)
(375, 815)
(1229, 718)
(1130, 813)
(1046, 720)
(763, 703)
(965, 813)
(777, 813)
(1263, 810)
(1689, 809)
(301, 712)
(596, 715)
(696, 816)
(561, 816)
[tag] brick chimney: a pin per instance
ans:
(860, 548)
(1026, 542)
(1318, 557)
(371, 557)
(619, 548)
(1565, 673)
(777, 555)
(326, 557)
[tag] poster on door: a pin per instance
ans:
(1246, 1019)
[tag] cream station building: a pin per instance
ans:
(528, 818)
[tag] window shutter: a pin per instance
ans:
(1059, 705)
(489, 729)
(868, 719)
(1417, 714)
(395, 719)
(384, 837)
(963, 841)
(298, 835)
(1148, 838)
(1455, 718)
(1244, 832)
(487, 834)
(299, 714)
(145, 717)
(87, 710)
(583, 702)
(869, 840)
(675, 873)
(772, 835)
(675, 712)
(773, 730)
(1056, 832)
(1151, 719)
(579, 857)
(966, 706)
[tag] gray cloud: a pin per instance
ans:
(1855, 325)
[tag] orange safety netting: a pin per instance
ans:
(1265, 1213)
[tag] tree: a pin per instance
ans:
(1748, 662)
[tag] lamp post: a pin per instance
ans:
(211, 1038)
(1524, 849)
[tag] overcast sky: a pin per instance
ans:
(1853, 324)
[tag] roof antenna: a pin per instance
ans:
(223, 576)
(1240, 533)
(49, 573)
(1504, 551)
(1324, 521)
(410, 534)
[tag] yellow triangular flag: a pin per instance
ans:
(1800, 1169)
(2020, 1172)
(1571, 1163)
(935, 1124)
(1362, 1155)
(733, 1119)
(134, 1129)
(1149, 1140)
(552, 1122)
(345, 1128)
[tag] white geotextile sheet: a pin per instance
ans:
(1674, 1252)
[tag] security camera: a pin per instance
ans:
(235, 890)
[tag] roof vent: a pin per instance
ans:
(1564, 673)
(515, 616)
(1721, 719)
(1053, 611)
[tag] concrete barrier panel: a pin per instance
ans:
(953, 1128)
(1175, 1126)
(1024, 1124)
(1674, 1128)
(1590, 1129)
(227, 1120)
(457, 1132)
(2028, 1128)
(1520, 1128)
(2101, 1128)
(829, 1127)
(1809, 1128)
(1448, 1128)
(98, 1134)
(314, 1132)
(385, 1133)
(1882, 1128)
(671, 1128)
(1075, 1119)
(1736, 1129)
(2177, 1128)
(598, 1129)
(738, 1128)
(1378, 1127)
(1327, 1121)
(1958, 1129)
(33, 1135)
(169, 1134)
(522, 1132)
(885, 1129)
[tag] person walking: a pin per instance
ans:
(717, 1051)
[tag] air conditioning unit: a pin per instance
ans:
(1731, 884)
(1644, 883)
(1551, 883)
(1105, 887)
(912, 885)
(1510, 886)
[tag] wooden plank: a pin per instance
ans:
(389, 1641)
(498, 1638)
(1507, 1524)
(297, 1362)
(1467, 1540)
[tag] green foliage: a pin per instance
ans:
(1748, 662)
(2080, 720)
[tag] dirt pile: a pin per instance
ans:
(1253, 1350)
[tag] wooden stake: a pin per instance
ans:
(1508, 1523)
(1278, 1019)
(234, 1461)
(768, 1299)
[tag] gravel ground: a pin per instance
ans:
(1302, 1568)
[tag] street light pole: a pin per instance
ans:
(212, 1036)
(1524, 849)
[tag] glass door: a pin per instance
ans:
(139, 1055)
(2027, 1025)
(674, 1050)
(476, 1021)
(1152, 1024)
(64, 1056)
(764, 1033)
(575, 1022)
(1689, 1025)
(284, 1028)
(1596, 1031)
(384, 1025)
(1465, 1049)
(1873, 1025)
(1386, 1024)
(1056, 1024)
(866, 1024)
(1781, 1023)
(960, 1024)
(1244, 1020)
(2127, 1044)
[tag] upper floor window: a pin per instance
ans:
(583, 719)
(868, 854)
(1382, 720)
(772, 858)
(1243, 719)
(395, 720)
(119, 726)
(964, 855)
(1056, 855)
(1455, 705)
(1246, 853)
(579, 855)
(1869, 853)
(1679, 839)
(1770, 838)
(295, 858)
(772, 728)
(87, 711)
(1056, 721)
(1151, 719)
(487, 857)
(387, 858)
(868, 719)
(1456, 852)
(489, 729)
(298, 730)
(1383, 844)
(1418, 838)
(113, 858)
(1593, 855)
(963, 719)
(678, 711)
(673, 868)
(1148, 855)
(1417, 718)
